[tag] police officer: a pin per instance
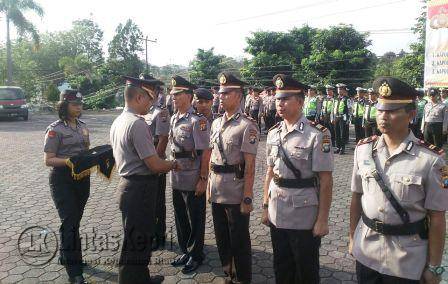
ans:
(399, 196)
(215, 99)
(158, 119)
(311, 104)
(358, 113)
(64, 139)
(435, 120)
(254, 104)
(269, 108)
(138, 165)
(234, 141)
(417, 122)
(340, 117)
(298, 186)
(189, 137)
(369, 119)
(327, 110)
(203, 100)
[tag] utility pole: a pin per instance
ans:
(146, 39)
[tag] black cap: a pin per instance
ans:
(257, 89)
(228, 82)
(288, 86)
(71, 96)
(203, 94)
(139, 82)
(148, 77)
(393, 93)
(180, 84)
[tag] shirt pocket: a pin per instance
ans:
(305, 200)
(369, 183)
(408, 187)
(69, 139)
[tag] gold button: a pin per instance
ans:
(407, 179)
(381, 209)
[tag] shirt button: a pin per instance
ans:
(407, 179)
(381, 209)
(387, 163)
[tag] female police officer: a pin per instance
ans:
(66, 138)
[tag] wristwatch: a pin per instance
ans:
(247, 200)
(436, 270)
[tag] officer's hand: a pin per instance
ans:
(350, 246)
(176, 166)
(320, 228)
(265, 217)
(430, 278)
(201, 187)
(246, 208)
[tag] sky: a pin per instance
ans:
(181, 27)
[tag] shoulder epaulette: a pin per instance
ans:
(367, 140)
(275, 126)
(81, 121)
(55, 123)
(431, 147)
(250, 118)
(319, 127)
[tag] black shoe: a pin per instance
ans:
(157, 243)
(77, 280)
(190, 266)
(157, 279)
(182, 260)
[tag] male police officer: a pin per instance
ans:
(327, 110)
(435, 120)
(234, 141)
(399, 196)
(203, 100)
(298, 186)
(138, 166)
(358, 113)
(340, 118)
(158, 119)
(311, 104)
(269, 108)
(369, 119)
(189, 137)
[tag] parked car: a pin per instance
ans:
(13, 102)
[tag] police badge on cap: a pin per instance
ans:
(71, 96)
(393, 93)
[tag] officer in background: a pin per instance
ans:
(399, 196)
(369, 119)
(269, 108)
(340, 116)
(444, 96)
(311, 104)
(435, 120)
(203, 101)
(138, 165)
(326, 111)
(189, 137)
(298, 186)
(158, 119)
(64, 139)
(254, 105)
(417, 121)
(358, 113)
(215, 100)
(234, 141)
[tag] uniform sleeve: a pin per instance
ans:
(250, 139)
(210, 145)
(356, 184)
(201, 134)
(436, 186)
(323, 160)
(269, 156)
(142, 139)
(163, 123)
(52, 141)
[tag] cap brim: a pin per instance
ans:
(388, 106)
(283, 95)
(226, 89)
(175, 92)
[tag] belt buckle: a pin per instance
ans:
(378, 225)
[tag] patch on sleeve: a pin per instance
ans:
(253, 136)
(203, 125)
(444, 176)
(326, 144)
(51, 134)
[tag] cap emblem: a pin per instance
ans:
(385, 90)
(222, 80)
(279, 83)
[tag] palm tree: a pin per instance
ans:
(13, 9)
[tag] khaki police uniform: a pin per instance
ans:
(270, 111)
(132, 142)
(294, 193)
(69, 195)
(435, 122)
(189, 136)
(158, 120)
(230, 138)
(397, 189)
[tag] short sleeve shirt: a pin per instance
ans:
(65, 141)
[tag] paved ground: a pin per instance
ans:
(25, 202)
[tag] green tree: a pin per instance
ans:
(13, 10)
(51, 93)
(205, 67)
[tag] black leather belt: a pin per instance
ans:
(295, 183)
(187, 154)
(224, 168)
(140, 177)
(420, 227)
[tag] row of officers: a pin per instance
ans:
(397, 212)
